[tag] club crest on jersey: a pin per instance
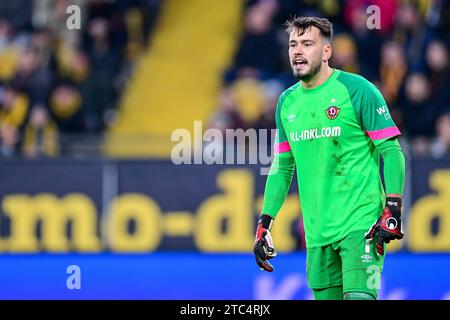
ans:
(332, 112)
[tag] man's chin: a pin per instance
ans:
(305, 75)
(302, 75)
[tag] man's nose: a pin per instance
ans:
(298, 51)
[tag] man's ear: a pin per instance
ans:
(327, 52)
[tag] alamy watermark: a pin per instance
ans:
(374, 18)
(74, 279)
(374, 278)
(214, 146)
(73, 21)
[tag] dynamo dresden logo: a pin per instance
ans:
(332, 112)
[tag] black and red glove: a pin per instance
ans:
(263, 248)
(389, 226)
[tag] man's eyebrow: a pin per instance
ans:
(302, 41)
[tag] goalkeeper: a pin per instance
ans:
(333, 126)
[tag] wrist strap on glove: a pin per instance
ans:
(266, 221)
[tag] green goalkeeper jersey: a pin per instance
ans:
(331, 132)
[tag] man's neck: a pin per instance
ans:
(318, 79)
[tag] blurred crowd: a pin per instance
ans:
(57, 83)
(407, 57)
(57, 80)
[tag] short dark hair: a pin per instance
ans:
(303, 23)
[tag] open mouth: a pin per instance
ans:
(298, 62)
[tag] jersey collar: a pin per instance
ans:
(323, 85)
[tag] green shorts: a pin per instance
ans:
(351, 262)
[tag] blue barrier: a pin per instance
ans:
(196, 276)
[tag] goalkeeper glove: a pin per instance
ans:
(263, 248)
(389, 226)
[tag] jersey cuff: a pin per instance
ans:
(384, 133)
